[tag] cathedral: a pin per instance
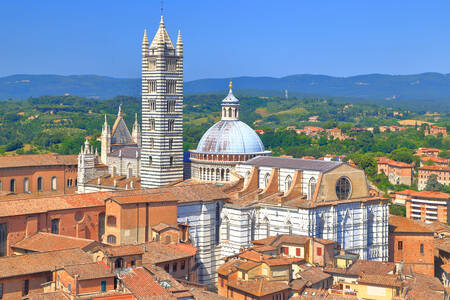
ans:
(257, 195)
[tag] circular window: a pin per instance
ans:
(343, 188)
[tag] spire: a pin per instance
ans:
(119, 113)
(145, 38)
(86, 146)
(135, 119)
(179, 44)
(162, 38)
(230, 86)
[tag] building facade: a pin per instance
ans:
(162, 110)
(442, 175)
(398, 172)
(426, 206)
(38, 174)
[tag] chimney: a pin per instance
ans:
(131, 184)
(115, 182)
(76, 283)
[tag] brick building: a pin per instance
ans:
(25, 274)
(432, 152)
(435, 130)
(398, 172)
(38, 174)
(438, 161)
(442, 173)
(411, 245)
(426, 206)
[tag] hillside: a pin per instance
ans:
(420, 91)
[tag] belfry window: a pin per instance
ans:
(150, 143)
(152, 86)
(150, 160)
(171, 65)
(171, 87)
(151, 125)
(170, 143)
(171, 125)
(152, 105)
(151, 64)
(171, 105)
(343, 188)
(171, 161)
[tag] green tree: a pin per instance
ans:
(432, 184)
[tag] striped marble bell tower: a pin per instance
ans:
(162, 110)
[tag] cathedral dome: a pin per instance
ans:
(230, 137)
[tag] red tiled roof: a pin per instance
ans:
(253, 255)
(435, 168)
(157, 252)
(142, 284)
(435, 159)
(446, 268)
(36, 160)
(12, 266)
(122, 250)
(425, 194)
(371, 267)
(248, 265)
(229, 267)
(259, 287)
(40, 205)
(382, 280)
(403, 224)
(314, 275)
(58, 295)
(424, 287)
(160, 196)
(89, 271)
(384, 160)
(161, 226)
(44, 241)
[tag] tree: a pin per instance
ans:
(403, 154)
(432, 184)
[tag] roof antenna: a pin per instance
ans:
(162, 7)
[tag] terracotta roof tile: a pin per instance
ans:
(156, 252)
(205, 295)
(384, 160)
(36, 160)
(41, 205)
(122, 250)
(161, 226)
(248, 265)
(381, 280)
(403, 224)
(314, 275)
(253, 255)
(142, 284)
(229, 267)
(44, 241)
(89, 271)
(424, 287)
(370, 267)
(282, 261)
(259, 287)
(41, 262)
(58, 295)
(425, 194)
(435, 168)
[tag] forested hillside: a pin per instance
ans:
(60, 123)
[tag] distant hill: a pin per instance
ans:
(433, 88)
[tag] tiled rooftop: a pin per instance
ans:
(259, 287)
(37, 160)
(314, 275)
(425, 194)
(44, 241)
(89, 271)
(122, 250)
(41, 262)
(157, 252)
(370, 267)
(142, 284)
(384, 160)
(405, 225)
(293, 163)
(380, 280)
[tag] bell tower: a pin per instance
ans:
(162, 110)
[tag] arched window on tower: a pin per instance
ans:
(171, 125)
(311, 188)
(229, 112)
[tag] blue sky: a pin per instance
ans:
(227, 38)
